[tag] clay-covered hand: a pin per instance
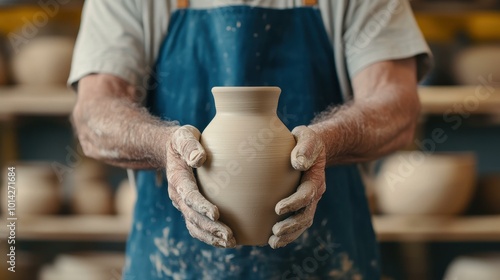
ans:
(308, 156)
(185, 152)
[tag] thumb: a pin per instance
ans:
(308, 148)
(185, 142)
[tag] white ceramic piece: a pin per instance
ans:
(475, 267)
(477, 65)
(248, 169)
(414, 183)
(45, 60)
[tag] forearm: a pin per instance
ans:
(381, 118)
(113, 127)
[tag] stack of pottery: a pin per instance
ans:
(415, 183)
(92, 195)
(44, 60)
(37, 190)
(246, 178)
(126, 196)
(85, 266)
(475, 267)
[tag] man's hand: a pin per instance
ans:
(185, 152)
(308, 156)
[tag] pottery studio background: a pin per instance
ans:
(432, 223)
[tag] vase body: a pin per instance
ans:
(248, 169)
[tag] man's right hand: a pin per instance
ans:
(185, 152)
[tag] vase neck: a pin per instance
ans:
(246, 100)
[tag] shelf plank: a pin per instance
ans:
(28, 100)
(73, 228)
(460, 99)
(444, 229)
(388, 228)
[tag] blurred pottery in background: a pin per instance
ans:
(246, 179)
(92, 195)
(126, 196)
(415, 183)
(488, 194)
(45, 60)
(4, 68)
(475, 267)
(85, 266)
(37, 189)
(475, 62)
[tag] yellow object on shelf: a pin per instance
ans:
(484, 27)
(16, 17)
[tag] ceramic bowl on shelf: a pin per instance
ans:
(92, 197)
(475, 267)
(477, 65)
(37, 189)
(415, 183)
(45, 60)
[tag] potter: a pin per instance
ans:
(338, 110)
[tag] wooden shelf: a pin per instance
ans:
(447, 229)
(73, 228)
(470, 99)
(388, 228)
(27, 100)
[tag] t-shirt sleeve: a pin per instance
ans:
(383, 30)
(110, 41)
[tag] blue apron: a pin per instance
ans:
(250, 46)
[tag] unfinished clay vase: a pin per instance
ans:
(248, 169)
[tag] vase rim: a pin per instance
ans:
(262, 89)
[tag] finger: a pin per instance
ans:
(296, 222)
(181, 178)
(205, 225)
(185, 142)
(309, 147)
(203, 236)
(277, 242)
(303, 197)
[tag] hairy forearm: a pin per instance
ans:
(381, 118)
(113, 127)
(364, 130)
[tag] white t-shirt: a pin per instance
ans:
(124, 37)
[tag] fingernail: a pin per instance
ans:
(194, 155)
(301, 160)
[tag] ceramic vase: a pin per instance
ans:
(37, 189)
(415, 183)
(248, 169)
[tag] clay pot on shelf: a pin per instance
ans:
(37, 189)
(125, 199)
(92, 197)
(415, 183)
(475, 62)
(244, 178)
(488, 194)
(475, 267)
(45, 60)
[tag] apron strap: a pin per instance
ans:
(182, 4)
(309, 2)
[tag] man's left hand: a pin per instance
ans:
(308, 156)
